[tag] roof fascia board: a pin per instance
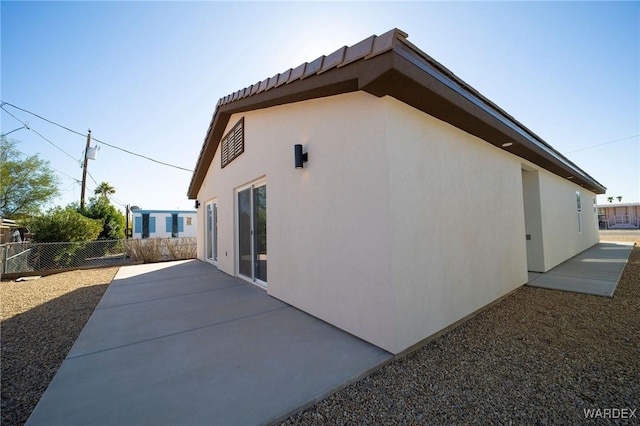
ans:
(397, 68)
(510, 123)
(333, 82)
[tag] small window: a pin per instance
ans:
(232, 144)
(189, 221)
(579, 208)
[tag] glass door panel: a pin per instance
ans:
(215, 232)
(260, 232)
(244, 234)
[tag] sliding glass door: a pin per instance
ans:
(252, 233)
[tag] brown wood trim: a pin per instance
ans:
(404, 72)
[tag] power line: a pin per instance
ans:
(52, 168)
(37, 133)
(143, 156)
(41, 118)
(92, 178)
(95, 139)
(115, 200)
(604, 143)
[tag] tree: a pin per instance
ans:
(63, 225)
(104, 190)
(610, 199)
(113, 222)
(619, 197)
(26, 184)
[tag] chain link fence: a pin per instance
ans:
(30, 258)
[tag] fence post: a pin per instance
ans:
(5, 250)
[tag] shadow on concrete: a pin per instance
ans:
(34, 345)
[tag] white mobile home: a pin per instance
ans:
(375, 190)
(164, 223)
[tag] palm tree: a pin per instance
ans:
(104, 189)
(619, 197)
(610, 199)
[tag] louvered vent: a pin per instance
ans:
(232, 144)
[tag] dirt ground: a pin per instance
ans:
(630, 236)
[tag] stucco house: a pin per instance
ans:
(375, 190)
(164, 223)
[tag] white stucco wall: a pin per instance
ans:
(327, 224)
(398, 225)
(457, 223)
(562, 238)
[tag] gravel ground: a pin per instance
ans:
(538, 357)
(41, 320)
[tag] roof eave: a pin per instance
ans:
(389, 65)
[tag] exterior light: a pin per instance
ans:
(299, 157)
(507, 144)
(197, 204)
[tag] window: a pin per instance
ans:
(579, 208)
(211, 231)
(189, 221)
(148, 225)
(174, 225)
(232, 144)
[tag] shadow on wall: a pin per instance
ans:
(35, 343)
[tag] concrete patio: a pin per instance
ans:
(596, 270)
(182, 343)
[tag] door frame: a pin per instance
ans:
(260, 182)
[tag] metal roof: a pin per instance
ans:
(389, 65)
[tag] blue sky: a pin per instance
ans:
(146, 76)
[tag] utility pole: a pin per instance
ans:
(84, 170)
(126, 228)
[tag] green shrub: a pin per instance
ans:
(63, 225)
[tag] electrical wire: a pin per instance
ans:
(94, 181)
(95, 139)
(143, 156)
(115, 200)
(37, 133)
(600, 144)
(52, 168)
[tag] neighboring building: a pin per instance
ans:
(8, 230)
(619, 216)
(420, 203)
(164, 223)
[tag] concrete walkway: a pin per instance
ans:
(181, 343)
(596, 271)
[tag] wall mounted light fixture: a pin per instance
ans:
(299, 156)
(197, 204)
